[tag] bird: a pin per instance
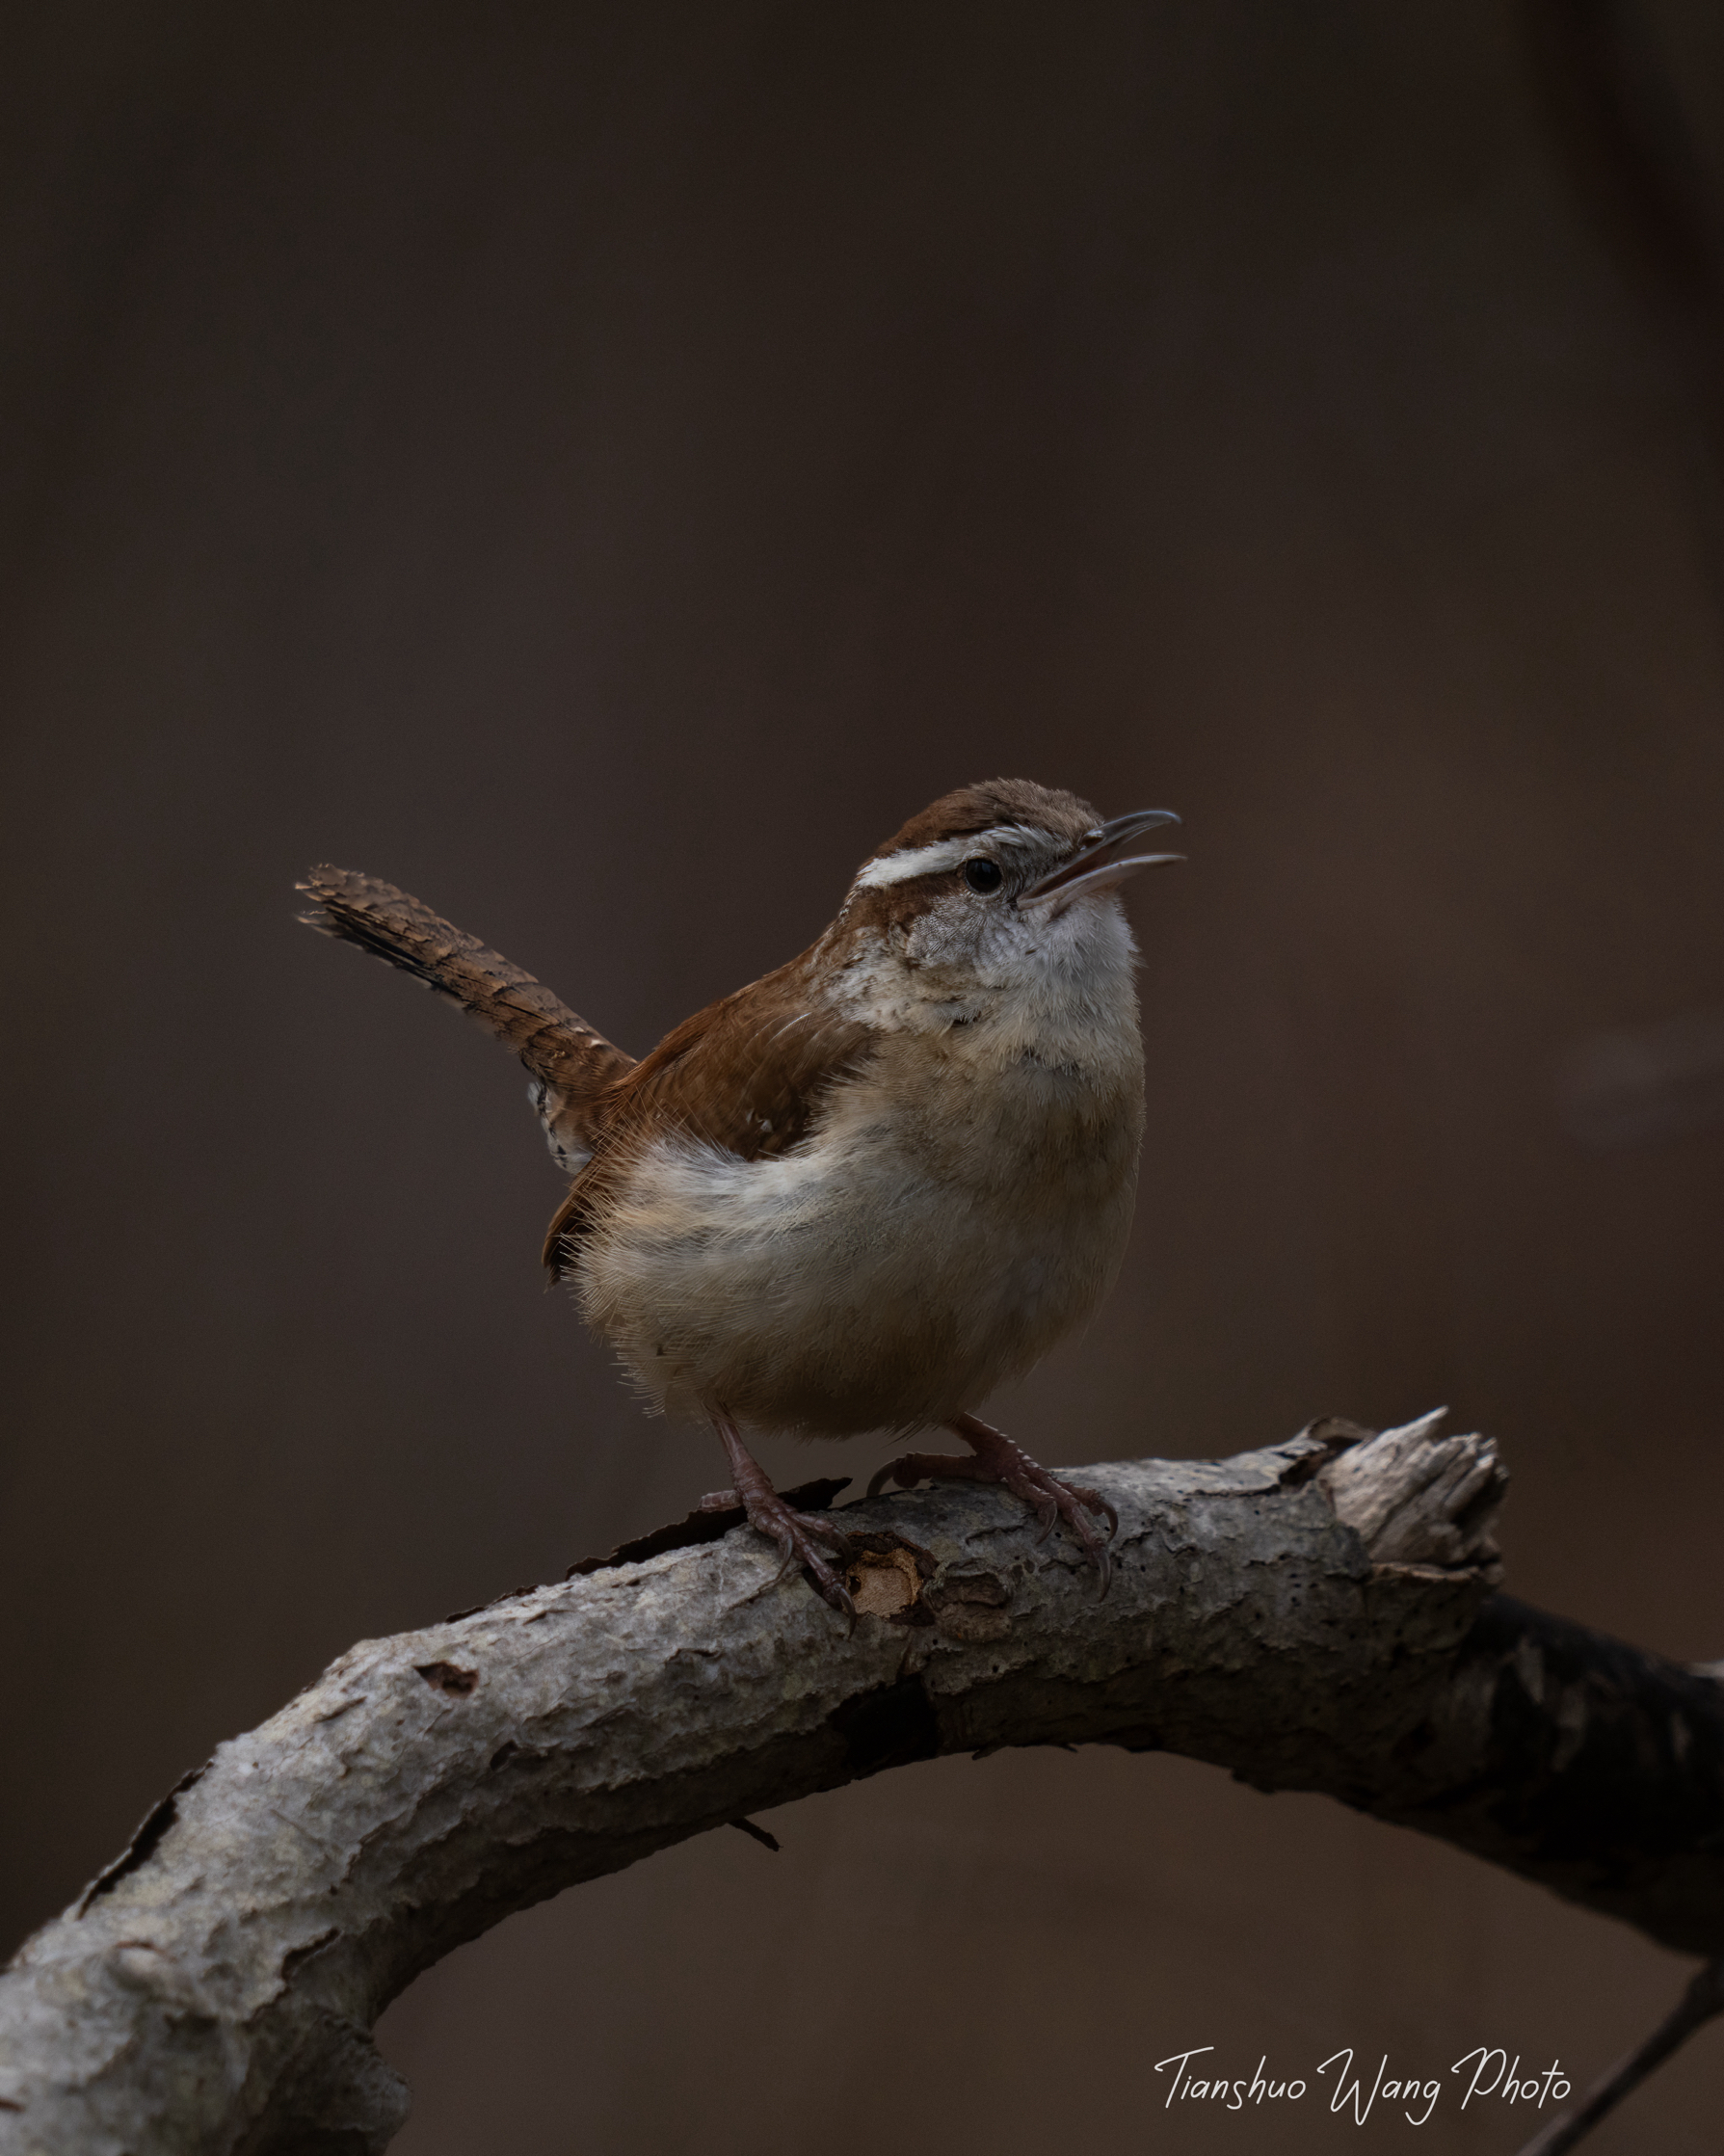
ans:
(868, 1188)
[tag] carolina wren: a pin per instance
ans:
(862, 1191)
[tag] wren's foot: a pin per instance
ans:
(994, 1458)
(799, 1536)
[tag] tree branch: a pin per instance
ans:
(1317, 1615)
(1699, 2004)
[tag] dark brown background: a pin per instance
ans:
(602, 468)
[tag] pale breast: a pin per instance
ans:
(950, 1216)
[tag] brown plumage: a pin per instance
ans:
(750, 1072)
(570, 1063)
(862, 1190)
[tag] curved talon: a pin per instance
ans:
(1096, 1546)
(835, 1538)
(994, 1458)
(998, 1460)
(833, 1590)
(1094, 1502)
(912, 1468)
(798, 1534)
(795, 1539)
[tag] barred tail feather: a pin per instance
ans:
(568, 1062)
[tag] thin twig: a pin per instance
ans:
(1633, 155)
(1699, 2004)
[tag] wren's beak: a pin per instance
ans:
(1090, 870)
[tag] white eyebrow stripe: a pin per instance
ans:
(915, 861)
(949, 853)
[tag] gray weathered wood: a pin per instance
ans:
(215, 1989)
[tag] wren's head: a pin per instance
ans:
(1000, 892)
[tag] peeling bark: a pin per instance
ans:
(1317, 1615)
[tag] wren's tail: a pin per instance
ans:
(570, 1063)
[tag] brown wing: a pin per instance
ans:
(749, 1074)
(570, 1063)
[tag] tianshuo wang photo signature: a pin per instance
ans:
(1485, 2074)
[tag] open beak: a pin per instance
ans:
(1091, 869)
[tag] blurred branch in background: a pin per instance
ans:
(1317, 1615)
(1701, 2002)
(1626, 144)
(1631, 154)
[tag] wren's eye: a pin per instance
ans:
(983, 875)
